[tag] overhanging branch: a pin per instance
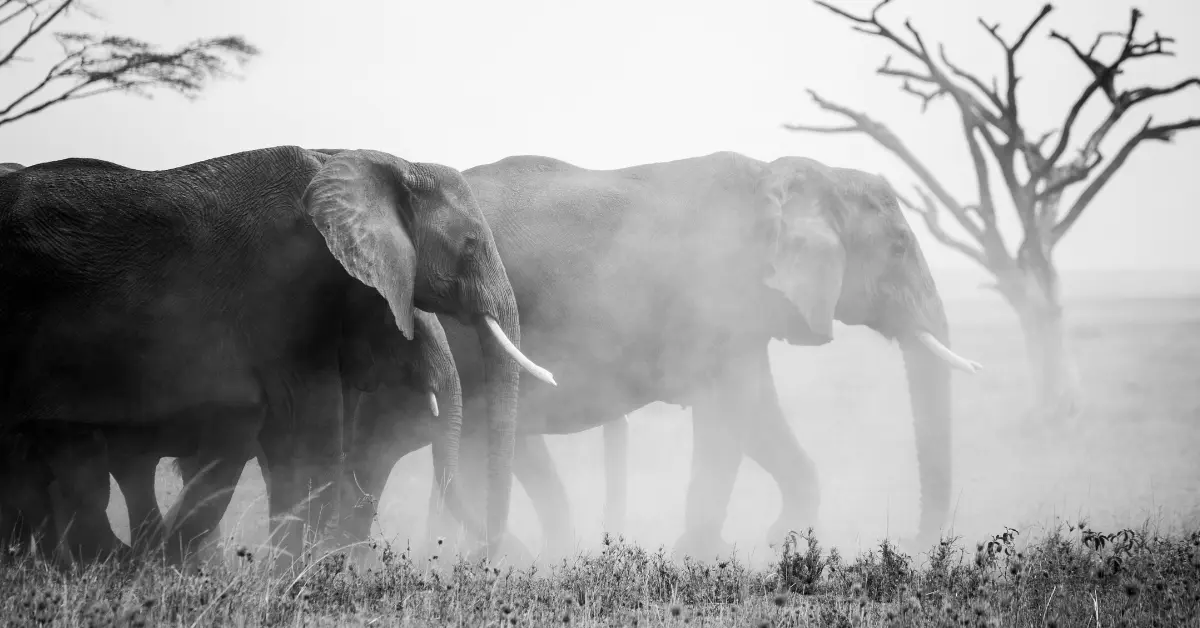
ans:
(928, 212)
(887, 139)
(1104, 80)
(1162, 133)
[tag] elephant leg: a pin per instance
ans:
(719, 407)
(79, 461)
(616, 474)
(302, 440)
(134, 471)
(27, 512)
(535, 470)
(368, 476)
(769, 441)
(195, 518)
(470, 482)
(473, 474)
(210, 477)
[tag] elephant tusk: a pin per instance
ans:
(953, 359)
(433, 403)
(511, 349)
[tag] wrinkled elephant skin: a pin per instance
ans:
(666, 282)
(215, 292)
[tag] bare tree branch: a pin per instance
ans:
(1103, 79)
(852, 128)
(872, 26)
(884, 137)
(928, 212)
(25, 5)
(1010, 54)
(92, 65)
(986, 110)
(1162, 133)
(35, 27)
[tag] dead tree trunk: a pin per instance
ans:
(1053, 375)
(1028, 279)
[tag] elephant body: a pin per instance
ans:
(666, 282)
(176, 298)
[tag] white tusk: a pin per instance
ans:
(433, 403)
(516, 354)
(951, 358)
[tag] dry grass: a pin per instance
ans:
(1131, 460)
(1071, 577)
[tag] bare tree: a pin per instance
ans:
(1032, 167)
(91, 65)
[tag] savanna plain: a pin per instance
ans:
(1096, 523)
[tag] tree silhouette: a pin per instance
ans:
(1032, 168)
(91, 65)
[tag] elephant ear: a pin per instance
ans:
(362, 203)
(809, 259)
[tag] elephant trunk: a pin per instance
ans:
(501, 375)
(919, 320)
(446, 457)
(929, 393)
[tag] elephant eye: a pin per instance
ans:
(470, 244)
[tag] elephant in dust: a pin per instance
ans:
(373, 354)
(666, 282)
(170, 299)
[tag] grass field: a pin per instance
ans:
(1131, 459)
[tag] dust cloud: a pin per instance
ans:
(1130, 458)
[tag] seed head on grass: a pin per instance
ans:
(675, 610)
(780, 600)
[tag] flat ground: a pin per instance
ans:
(1133, 455)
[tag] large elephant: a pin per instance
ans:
(666, 282)
(204, 292)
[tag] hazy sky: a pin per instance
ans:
(610, 84)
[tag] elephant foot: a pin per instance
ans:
(702, 547)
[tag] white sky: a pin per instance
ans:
(610, 84)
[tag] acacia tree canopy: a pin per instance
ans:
(90, 64)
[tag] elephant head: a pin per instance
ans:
(415, 233)
(838, 247)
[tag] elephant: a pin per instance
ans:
(373, 355)
(170, 299)
(666, 282)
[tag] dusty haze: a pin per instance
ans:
(613, 84)
(1131, 460)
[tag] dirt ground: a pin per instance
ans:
(1132, 457)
